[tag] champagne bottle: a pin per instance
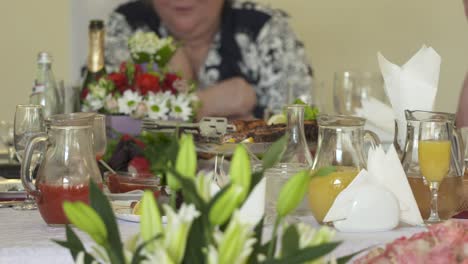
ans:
(95, 66)
(45, 90)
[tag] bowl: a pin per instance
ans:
(123, 182)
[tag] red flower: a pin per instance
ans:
(139, 165)
(120, 81)
(84, 93)
(168, 84)
(147, 83)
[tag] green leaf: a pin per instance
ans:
(290, 241)
(292, 193)
(305, 254)
(346, 259)
(324, 171)
(274, 153)
(240, 170)
(186, 163)
(310, 113)
(86, 219)
(225, 205)
(189, 191)
(163, 55)
(75, 245)
(256, 178)
(197, 241)
(102, 206)
(257, 246)
(150, 220)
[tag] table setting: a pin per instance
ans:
(363, 185)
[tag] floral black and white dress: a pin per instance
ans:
(254, 42)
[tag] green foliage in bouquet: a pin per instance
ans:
(204, 229)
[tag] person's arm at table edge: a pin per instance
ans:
(462, 112)
(231, 97)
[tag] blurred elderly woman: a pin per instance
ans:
(244, 56)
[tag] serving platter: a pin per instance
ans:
(11, 190)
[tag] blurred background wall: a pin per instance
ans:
(338, 35)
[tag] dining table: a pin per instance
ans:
(26, 238)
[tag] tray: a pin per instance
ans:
(228, 148)
(11, 190)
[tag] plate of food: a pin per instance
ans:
(129, 211)
(442, 243)
(256, 135)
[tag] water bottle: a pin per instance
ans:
(45, 91)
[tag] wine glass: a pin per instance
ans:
(29, 120)
(6, 135)
(99, 136)
(434, 153)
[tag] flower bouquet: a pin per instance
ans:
(206, 228)
(143, 87)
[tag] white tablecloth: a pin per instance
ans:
(25, 238)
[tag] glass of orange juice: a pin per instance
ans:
(434, 152)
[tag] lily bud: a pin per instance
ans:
(150, 220)
(85, 218)
(225, 205)
(240, 171)
(292, 193)
(177, 230)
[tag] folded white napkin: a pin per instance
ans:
(412, 86)
(379, 118)
(385, 173)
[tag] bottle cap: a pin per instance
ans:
(96, 24)
(44, 57)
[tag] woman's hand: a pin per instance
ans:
(232, 98)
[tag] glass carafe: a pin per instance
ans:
(450, 195)
(67, 166)
(341, 144)
(296, 157)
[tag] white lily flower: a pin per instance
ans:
(235, 245)
(100, 254)
(80, 259)
(157, 106)
(160, 256)
(312, 237)
(128, 102)
(177, 229)
(203, 185)
(180, 108)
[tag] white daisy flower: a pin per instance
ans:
(157, 106)
(180, 108)
(93, 103)
(128, 102)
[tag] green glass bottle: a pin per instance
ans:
(95, 67)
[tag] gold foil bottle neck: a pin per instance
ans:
(96, 50)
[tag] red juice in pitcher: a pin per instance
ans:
(51, 198)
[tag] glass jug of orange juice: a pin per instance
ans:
(450, 194)
(341, 144)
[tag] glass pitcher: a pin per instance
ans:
(67, 165)
(340, 144)
(296, 157)
(450, 195)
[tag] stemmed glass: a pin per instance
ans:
(29, 120)
(434, 155)
(6, 135)
(99, 136)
